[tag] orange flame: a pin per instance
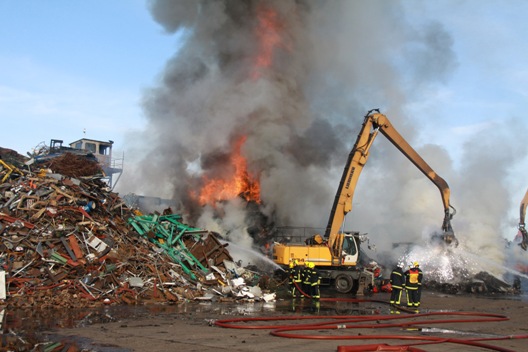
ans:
(240, 184)
(268, 34)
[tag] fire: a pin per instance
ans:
(240, 184)
(268, 36)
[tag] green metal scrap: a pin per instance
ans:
(166, 231)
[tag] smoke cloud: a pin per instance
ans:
(296, 78)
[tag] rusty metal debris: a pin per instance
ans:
(69, 164)
(68, 241)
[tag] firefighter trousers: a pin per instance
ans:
(396, 295)
(413, 299)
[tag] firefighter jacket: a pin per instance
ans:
(314, 278)
(413, 278)
(305, 276)
(397, 278)
(295, 274)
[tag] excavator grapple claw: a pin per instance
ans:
(450, 239)
(524, 239)
(446, 238)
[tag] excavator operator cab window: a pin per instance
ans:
(349, 245)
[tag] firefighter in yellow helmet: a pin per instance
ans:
(314, 280)
(294, 278)
(291, 284)
(413, 285)
(305, 279)
(417, 266)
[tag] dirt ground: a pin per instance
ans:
(193, 327)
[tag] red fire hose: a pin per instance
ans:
(363, 322)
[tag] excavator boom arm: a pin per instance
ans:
(401, 144)
(372, 125)
(345, 192)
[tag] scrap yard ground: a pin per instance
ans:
(191, 327)
(83, 272)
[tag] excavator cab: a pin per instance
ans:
(350, 246)
(344, 248)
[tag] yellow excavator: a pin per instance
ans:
(336, 255)
(522, 228)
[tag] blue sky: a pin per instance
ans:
(490, 82)
(66, 66)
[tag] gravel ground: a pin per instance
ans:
(191, 326)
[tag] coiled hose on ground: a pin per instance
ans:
(374, 322)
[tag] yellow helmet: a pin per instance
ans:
(311, 265)
(416, 264)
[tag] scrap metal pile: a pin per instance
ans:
(68, 241)
(72, 165)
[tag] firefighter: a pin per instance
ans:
(315, 281)
(291, 278)
(413, 283)
(375, 269)
(420, 278)
(294, 278)
(305, 279)
(397, 280)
